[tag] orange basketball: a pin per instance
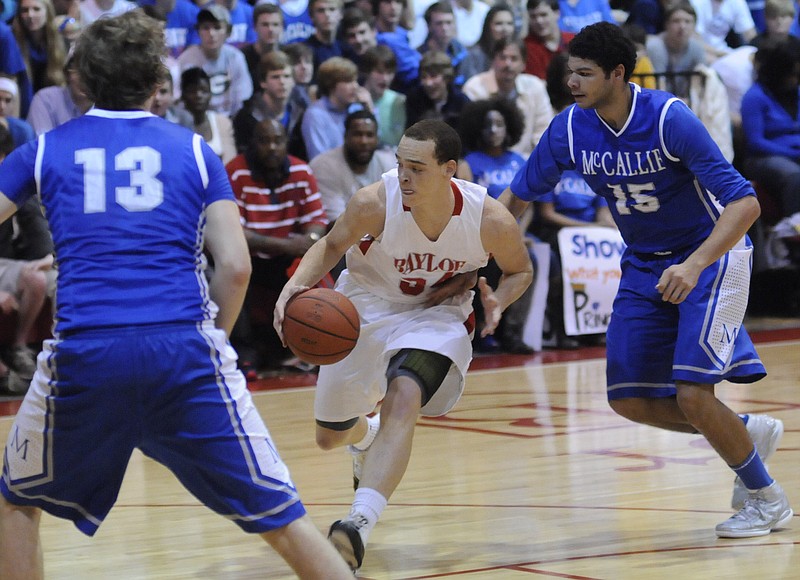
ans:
(321, 326)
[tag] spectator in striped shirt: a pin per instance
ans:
(282, 215)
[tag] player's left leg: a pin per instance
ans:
(20, 546)
(413, 377)
(766, 508)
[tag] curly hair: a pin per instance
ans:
(474, 114)
(119, 60)
(774, 63)
(605, 44)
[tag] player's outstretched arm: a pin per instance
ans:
(513, 203)
(500, 236)
(364, 215)
(225, 240)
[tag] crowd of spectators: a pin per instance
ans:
(319, 92)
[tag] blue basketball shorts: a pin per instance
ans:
(652, 343)
(174, 392)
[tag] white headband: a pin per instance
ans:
(9, 86)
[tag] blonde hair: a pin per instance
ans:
(333, 71)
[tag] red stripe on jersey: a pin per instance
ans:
(365, 243)
(292, 206)
(458, 197)
(458, 200)
(469, 323)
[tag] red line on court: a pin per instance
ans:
(10, 405)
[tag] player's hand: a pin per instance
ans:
(41, 265)
(44, 264)
(491, 308)
(677, 282)
(8, 303)
(280, 307)
(453, 286)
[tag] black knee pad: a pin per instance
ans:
(428, 369)
(338, 425)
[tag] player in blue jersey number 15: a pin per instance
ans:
(683, 212)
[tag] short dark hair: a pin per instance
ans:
(191, 76)
(119, 59)
(533, 4)
(353, 17)
(504, 43)
(358, 115)
(440, 7)
(605, 44)
(376, 3)
(297, 51)
(446, 142)
(378, 56)
(266, 8)
(474, 113)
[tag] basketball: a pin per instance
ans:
(321, 326)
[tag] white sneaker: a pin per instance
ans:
(764, 510)
(373, 424)
(766, 433)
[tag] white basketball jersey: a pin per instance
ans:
(402, 264)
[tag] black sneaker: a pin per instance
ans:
(344, 536)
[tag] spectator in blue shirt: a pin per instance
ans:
(323, 122)
(771, 124)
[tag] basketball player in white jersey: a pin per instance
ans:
(404, 234)
(132, 201)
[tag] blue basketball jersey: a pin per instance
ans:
(494, 173)
(120, 261)
(664, 178)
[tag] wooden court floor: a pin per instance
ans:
(531, 476)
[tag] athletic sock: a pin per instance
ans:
(752, 472)
(372, 430)
(368, 505)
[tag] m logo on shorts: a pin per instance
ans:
(17, 447)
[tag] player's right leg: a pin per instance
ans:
(307, 551)
(20, 547)
(640, 344)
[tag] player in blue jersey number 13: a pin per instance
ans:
(683, 211)
(140, 356)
